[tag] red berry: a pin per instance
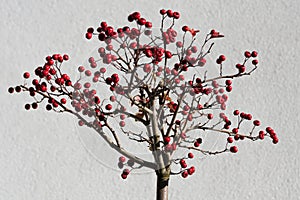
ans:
(191, 170)
(202, 62)
(234, 149)
(148, 25)
(190, 155)
(229, 88)
(213, 31)
(65, 57)
(63, 101)
(235, 130)
(194, 49)
(168, 54)
(222, 58)
(88, 73)
(80, 123)
(103, 24)
(185, 28)
(87, 36)
(169, 13)
(184, 174)
(218, 61)
(122, 123)
(136, 15)
(90, 30)
(229, 139)
(199, 140)
(27, 106)
(141, 21)
(254, 62)
(48, 107)
(196, 144)
(248, 117)
(228, 82)
(256, 123)
(179, 44)
(162, 11)
(261, 135)
(108, 107)
(11, 90)
(124, 176)
(254, 54)
(167, 139)
(26, 75)
(210, 116)
(34, 105)
(275, 140)
(247, 54)
(176, 15)
(122, 159)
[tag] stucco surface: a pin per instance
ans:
(42, 155)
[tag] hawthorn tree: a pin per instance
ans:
(160, 82)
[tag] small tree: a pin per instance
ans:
(159, 82)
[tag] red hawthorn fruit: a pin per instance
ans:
(256, 123)
(63, 101)
(26, 75)
(167, 139)
(222, 58)
(179, 44)
(34, 105)
(11, 90)
(122, 123)
(168, 54)
(141, 21)
(122, 159)
(185, 28)
(254, 62)
(176, 15)
(228, 82)
(229, 88)
(261, 135)
(235, 130)
(170, 13)
(210, 116)
(124, 176)
(136, 15)
(148, 25)
(66, 57)
(27, 106)
(162, 11)
(88, 36)
(196, 144)
(229, 139)
(236, 112)
(234, 149)
(184, 174)
(254, 54)
(191, 170)
(247, 54)
(190, 155)
(108, 107)
(275, 140)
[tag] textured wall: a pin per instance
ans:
(42, 157)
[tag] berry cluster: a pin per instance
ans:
(49, 82)
(145, 77)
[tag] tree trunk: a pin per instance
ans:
(162, 187)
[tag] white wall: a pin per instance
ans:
(41, 155)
